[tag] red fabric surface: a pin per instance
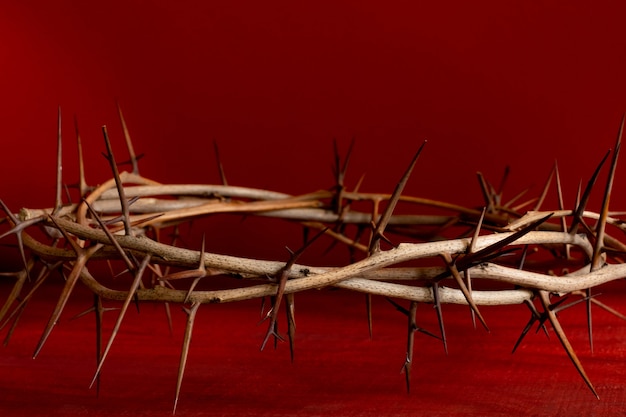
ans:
(338, 370)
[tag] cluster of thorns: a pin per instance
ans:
(124, 218)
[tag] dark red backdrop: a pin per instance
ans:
(488, 83)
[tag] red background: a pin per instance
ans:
(487, 83)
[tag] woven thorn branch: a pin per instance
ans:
(517, 245)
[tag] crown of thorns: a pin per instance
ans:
(124, 220)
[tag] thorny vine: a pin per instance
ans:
(124, 218)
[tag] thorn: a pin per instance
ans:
(602, 305)
(559, 191)
(368, 309)
(185, 350)
(435, 287)
(82, 256)
(556, 325)
(168, 315)
(515, 198)
(44, 273)
(291, 323)
(120, 318)
(580, 208)
(466, 293)
(99, 315)
(17, 229)
(601, 226)
(505, 176)
(544, 192)
(82, 183)
(18, 314)
(534, 316)
(491, 251)
(393, 201)
(472, 248)
(201, 272)
(118, 182)
(129, 264)
(589, 319)
(21, 277)
(408, 313)
(129, 142)
(58, 201)
(283, 276)
(487, 192)
(412, 327)
(220, 167)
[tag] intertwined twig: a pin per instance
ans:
(123, 219)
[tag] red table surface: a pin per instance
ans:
(337, 370)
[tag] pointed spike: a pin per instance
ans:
(58, 202)
(263, 315)
(291, 324)
(18, 314)
(544, 193)
(398, 306)
(368, 310)
(282, 282)
(556, 325)
(604, 306)
(337, 163)
(83, 313)
(184, 353)
(589, 320)
(473, 257)
(346, 161)
(45, 273)
(120, 318)
(82, 183)
(491, 251)
(523, 334)
(15, 292)
(99, 315)
(129, 264)
(412, 326)
(191, 288)
(357, 187)
(517, 197)
(468, 282)
(476, 234)
(472, 248)
(559, 190)
(79, 264)
(466, 293)
(487, 195)
(200, 272)
(601, 226)
(393, 201)
(534, 316)
(505, 177)
(582, 204)
(75, 246)
(220, 167)
(129, 143)
(118, 183)
(18, 227)
(442, 330)
(168, 315)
